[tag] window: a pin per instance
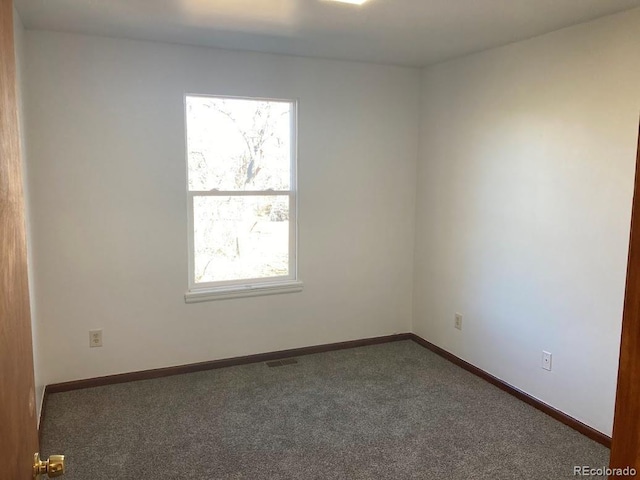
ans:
(241, 159)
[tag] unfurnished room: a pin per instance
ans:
(319, 239)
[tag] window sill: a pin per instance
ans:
(239, 291)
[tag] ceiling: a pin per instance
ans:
(401, 32)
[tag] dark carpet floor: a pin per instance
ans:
(392, 411)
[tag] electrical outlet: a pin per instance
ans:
(95, 338)
(458, 321)
(546, 360)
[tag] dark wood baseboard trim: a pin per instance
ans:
(211, 365)
(298, 352)
(586, 430)
(43, 412)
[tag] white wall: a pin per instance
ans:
(524, 200)
(107, 190)
(19, 44)
(525, 180)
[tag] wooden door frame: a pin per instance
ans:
(18, 419)
(625, 445)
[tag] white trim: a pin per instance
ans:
(237, 291)
(241, 283)
(241, 97)
(293, 198)
(240, 193)
(199, 292)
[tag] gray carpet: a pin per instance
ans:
(392, 411)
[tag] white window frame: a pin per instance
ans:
(206, 291)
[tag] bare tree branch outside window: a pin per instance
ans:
(236, 146)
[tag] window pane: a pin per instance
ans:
(238, 144)
(241, 237)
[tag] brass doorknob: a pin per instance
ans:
(52, 467)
